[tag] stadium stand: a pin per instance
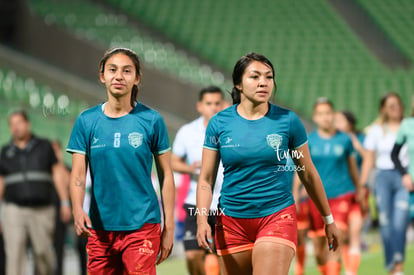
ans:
(42, 103)
(396, 19)
(96, 24)
(317, 55)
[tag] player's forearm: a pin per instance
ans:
(181, 167)
(77, 183)
(367, 165)
(358, 146)
(168, 200)
(204, 198)
(206, 180)
(353, 172)
(313, 184)
(77, 190)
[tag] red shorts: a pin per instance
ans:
(340, 207)
(239, 234)
(303, 215)
(124, 252)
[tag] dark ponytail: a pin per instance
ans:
(235, 95)
(134, 95)
(239, 69)
(135, 59)
(351, 119)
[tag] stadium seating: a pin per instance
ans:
(51, 112)
(97, 24)
(396, 19)
(317, 55)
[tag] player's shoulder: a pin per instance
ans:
(228, 112)
(145, 112)
(279, 109)
(281, 112)
(89, 116)
(143, 108)
(90, 112)
(343, 136)
(225, 115)
(407, 122)
(313, 134)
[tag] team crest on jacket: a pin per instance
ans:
(274, 140)
(135, 139)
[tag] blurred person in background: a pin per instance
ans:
(61, 225)
(405, 137)
(391, 195)
(345, 122)
(333, 155)
(257, 232)
(29, 171)
(182, 184)
(117, 140)
(61, 222)
(186, 158)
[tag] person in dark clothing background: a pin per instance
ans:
(28, 173)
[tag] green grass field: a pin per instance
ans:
(372, 263)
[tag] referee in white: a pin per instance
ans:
(186, 159)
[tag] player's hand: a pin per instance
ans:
(204, 238)
(195, 167)
(65, 214)
(166, 245)
(333, 236)
(361, 198)
(82, 223)
(408, 183)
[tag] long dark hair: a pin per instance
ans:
(135, 59)
(239, 69)
(351, 119)
(383, 101)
